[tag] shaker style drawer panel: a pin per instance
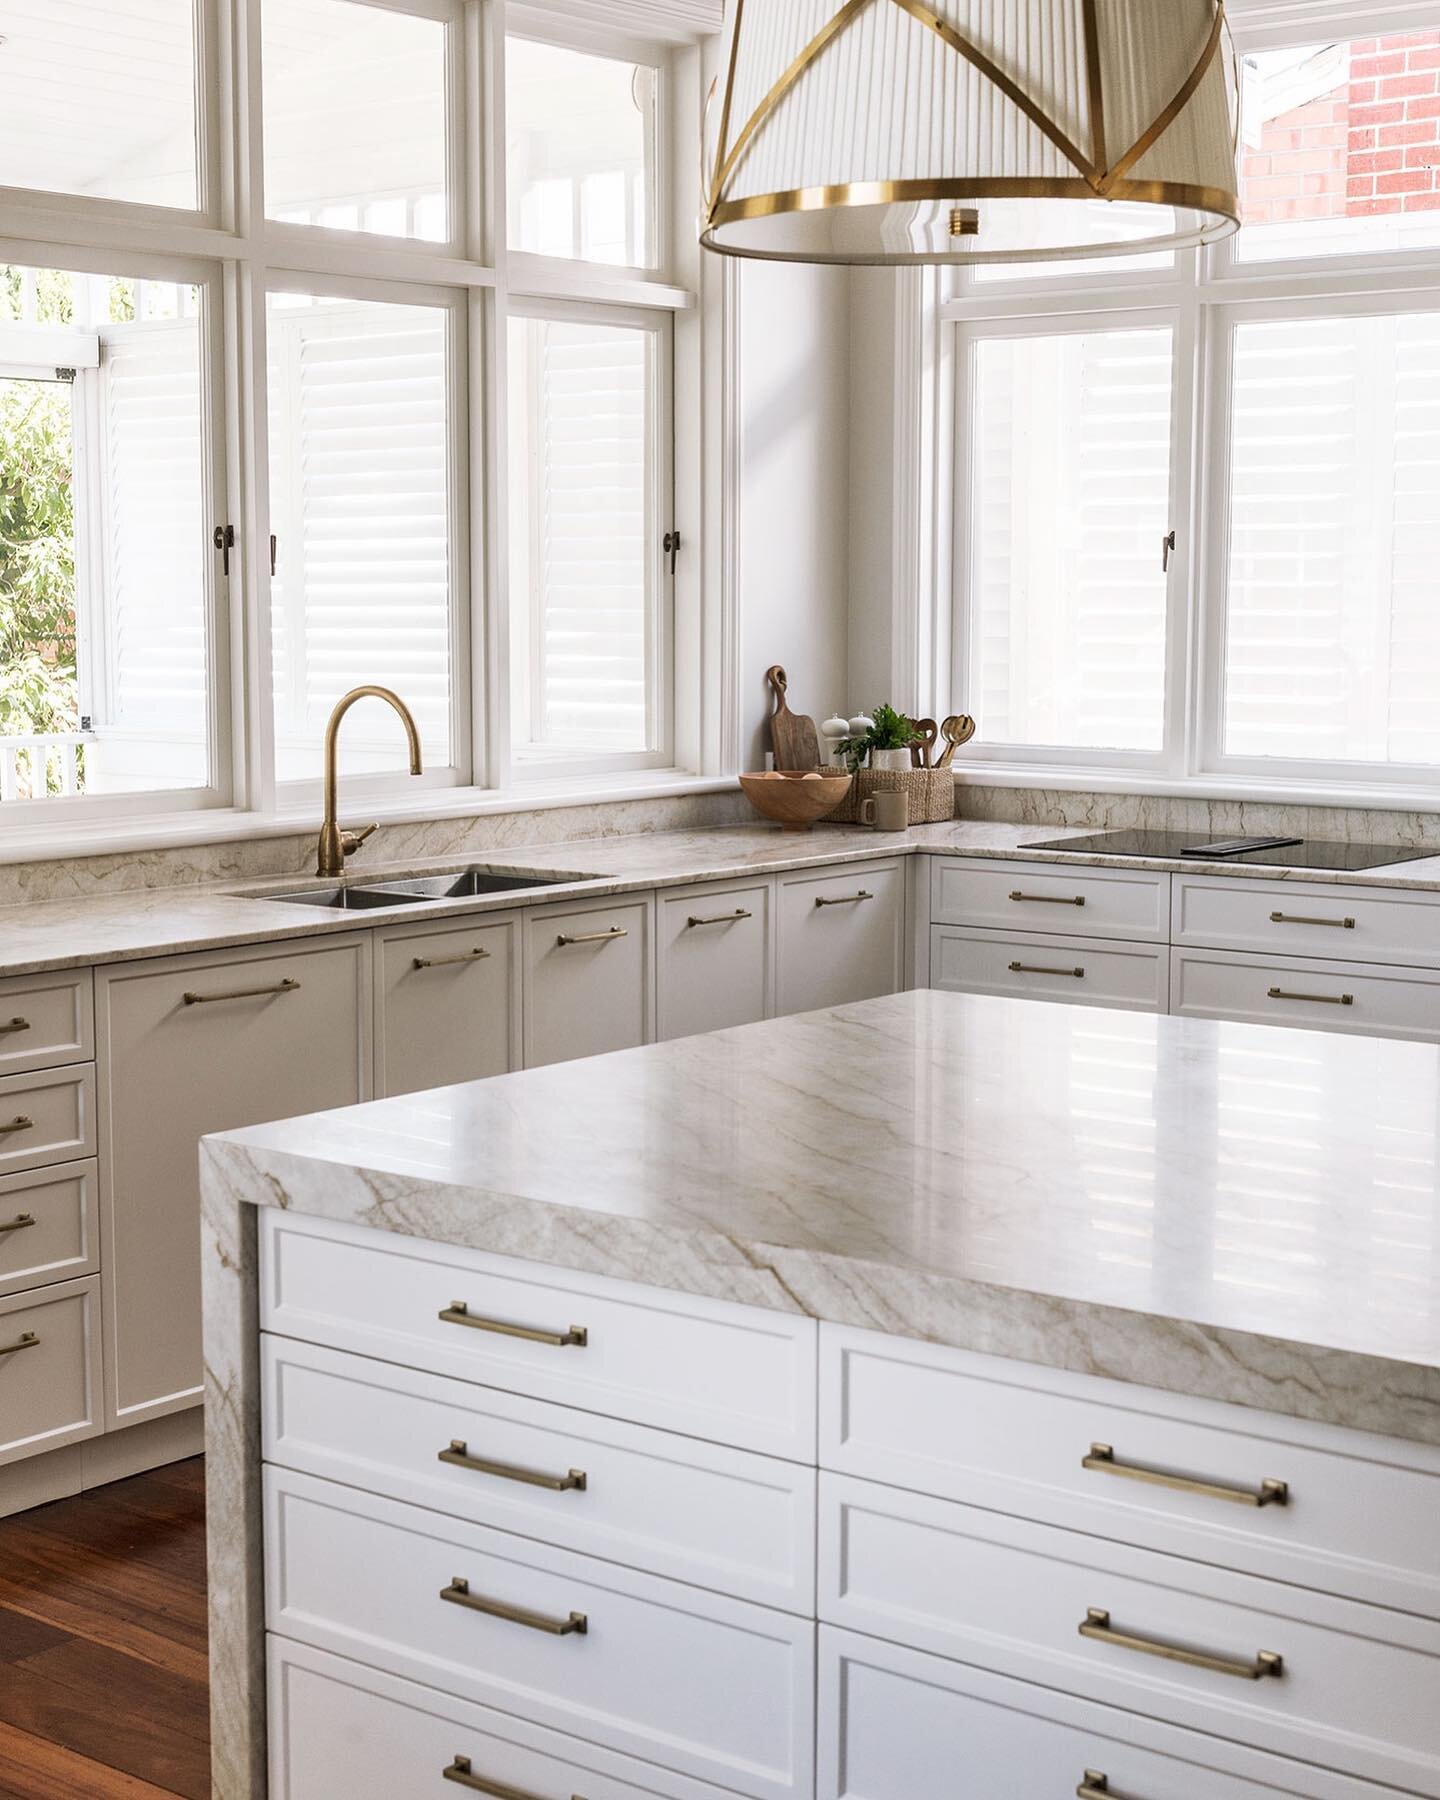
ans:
(1078, 971)
(899, 1725)
(447, 1004)
(1345, 1512)
(841, 936)
(1321, 996)
(47, 1117)
(587, 980)
(733, 1374)
(716, 968)
(46, 1021)
(339, 1728)
(49, 1368)
(49, 1226)
(1030, 896)
(729, 1520)
(701, 1684)
(1282, 1669)
(1297, 918)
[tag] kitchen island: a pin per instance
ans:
(1077, 1371)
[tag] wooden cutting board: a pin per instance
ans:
(793, 737)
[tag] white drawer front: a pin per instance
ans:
(49, 1368)
(704, 1685)
(1027, 896)
(899, 1725)
(48, 1226)
(340, 1729)
(1359, 1512)
(733, 1374)
(1320, 996)
(46, 1021)
(729, 1520)
(447, 1004)
(1080, 971)
(841, 936)
(587, 986)
(715, 959)
(45, 1118)
(1357, 1687)
(1295, 918)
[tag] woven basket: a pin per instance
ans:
(931, 794)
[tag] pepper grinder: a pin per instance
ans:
(834, 731)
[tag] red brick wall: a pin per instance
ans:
(1370, 147)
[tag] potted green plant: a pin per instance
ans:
(886, 744)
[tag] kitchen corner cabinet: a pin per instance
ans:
(589, 983)
(447, 1003)
(190, 1045)
(841, 935)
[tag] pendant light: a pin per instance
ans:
(971, 131)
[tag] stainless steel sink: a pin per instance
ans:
(350, 899)
(464, 884)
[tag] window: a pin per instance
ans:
(1198, 504)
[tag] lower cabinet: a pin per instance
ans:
(1081, 971)
(447, 1003)
(1373, 998)
(588, 983)
(716, 958)
(841, 935)
(49, 1368)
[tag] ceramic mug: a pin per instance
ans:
(888, 810)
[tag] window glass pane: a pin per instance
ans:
(99, 100)
(581, 149)
(1069, 501)
(1341, 148)
(581, 537)
(1333, 616)
(359, 505)
(1119, 220)
(355, 118)
(104, 637)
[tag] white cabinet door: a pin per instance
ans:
(49, 1369)
(447, 1003)
(46, 1021)
(1027, 896)
(49, 1226)
(716, 961)
(1367, 998)
(189, 1045)
(842, 935)
(588, 982)
(1077, 971)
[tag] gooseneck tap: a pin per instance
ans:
(335, 844)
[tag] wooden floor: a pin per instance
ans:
(103, 1689)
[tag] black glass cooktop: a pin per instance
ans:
(1289, 853)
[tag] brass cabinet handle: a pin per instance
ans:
(845, 900)
(1095, 1786)
(458, 1313)
(720, 919)
(1270, 1493)
(444, 962)
(27, 1340)
(18, 1123)
(18, 1223)
(15, 1024)
(1019, 968)
(1276, 993)
(459, 1457)
(288, 986)
(462, 1772)
(1279, 918)
(458, 1594)
(1096, 1624)
(593, 937)
(1048, 899)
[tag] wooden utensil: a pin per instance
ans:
(957, 730)
(793, 737)
(926, 732)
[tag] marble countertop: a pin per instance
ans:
(1239, 1212)
(59, 934)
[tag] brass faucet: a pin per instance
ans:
(335, 844)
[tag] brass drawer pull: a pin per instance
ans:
(458, 1594)
(845, 900)
(459, 1457)
(1276, 993)
(593, 937)
(1301, 919)
(720, 919)
(458, 1313)
(444, 962)
(19, 1222)
(27, 1340)
(1096, 1624)
(15, 1024)
(1019, 968)
(19, 1123)
(288, 986)
(1048, 899)
(1095, 1786)
(462, 1772)
(1270, 1493)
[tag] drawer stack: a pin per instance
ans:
(49, 1215)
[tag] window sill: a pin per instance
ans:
(1066, 778)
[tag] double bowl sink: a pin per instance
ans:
(464, 884)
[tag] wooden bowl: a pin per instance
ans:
(794, 801)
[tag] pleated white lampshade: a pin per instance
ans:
(973, 131)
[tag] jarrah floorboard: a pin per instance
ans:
(103, 1690)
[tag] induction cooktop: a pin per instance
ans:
(1283, 852)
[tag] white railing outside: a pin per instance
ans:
(41, 767)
